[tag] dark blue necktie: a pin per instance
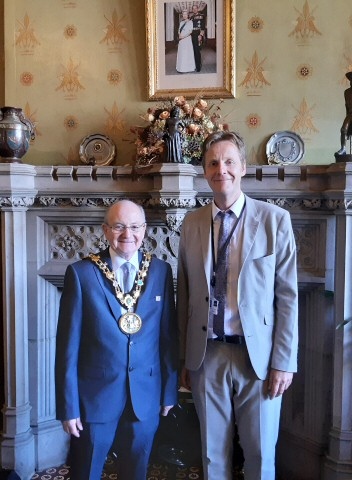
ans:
(222, 262)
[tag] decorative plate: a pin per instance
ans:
(284, 148)
(97, 149)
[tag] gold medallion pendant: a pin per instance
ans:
(130, 322)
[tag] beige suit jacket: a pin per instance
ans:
(267, 287)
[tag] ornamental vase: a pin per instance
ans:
(16, 131)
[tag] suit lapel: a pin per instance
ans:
(205, 240)
(147, 289)
(107, 286)
(250, 228)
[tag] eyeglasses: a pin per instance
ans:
(120, 227)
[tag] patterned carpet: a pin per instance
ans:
(176, 446)
(178, 433)
(156, 471)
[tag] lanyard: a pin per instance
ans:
(213, 278)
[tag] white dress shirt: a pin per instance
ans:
(117, 263)
(232, 322)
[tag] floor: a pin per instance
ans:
(156, 471)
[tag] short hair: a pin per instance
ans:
(222, 136)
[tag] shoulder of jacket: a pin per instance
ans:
(199, 212)
(158, 261)
(268, 208)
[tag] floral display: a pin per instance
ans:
(197, 119)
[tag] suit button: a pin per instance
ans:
(204, 328)
(207, 299)
(130, 369)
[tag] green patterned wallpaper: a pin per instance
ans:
(79, 67)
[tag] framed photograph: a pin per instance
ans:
(190, 48)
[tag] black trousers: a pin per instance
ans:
(196, 49)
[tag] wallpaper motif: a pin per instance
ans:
(304, 71)
(70, 31)
(305, 27)
(26, 79)
(253, 120)
(114, 77)
(114, 123)
(303, 121)
(255, 77)
(70, 122)
(115, 32)
(70, 83)
(255, 24)
(26, 38)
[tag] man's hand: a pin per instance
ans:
(185, 379)
(73, 427)
(278, 382)
(165, 410)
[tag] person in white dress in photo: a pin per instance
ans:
(185, 55)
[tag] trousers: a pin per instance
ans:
(226, 392)
(131, 439)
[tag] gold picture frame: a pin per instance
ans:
(216, 79)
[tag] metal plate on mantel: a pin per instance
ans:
(284, 148)
(97, 149)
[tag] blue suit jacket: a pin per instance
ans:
(96, 362)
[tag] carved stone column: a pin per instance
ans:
(17, 444)
(173, 186)
(338, 464)
(173, 195)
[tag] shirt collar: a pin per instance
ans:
(118, 261)
(236, 207)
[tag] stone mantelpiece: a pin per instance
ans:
(51, 216)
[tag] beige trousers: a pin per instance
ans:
(226, 390)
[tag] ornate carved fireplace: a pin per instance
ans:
(51, 216)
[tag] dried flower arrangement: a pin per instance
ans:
(197, 118)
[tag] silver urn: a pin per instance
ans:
(16, 132)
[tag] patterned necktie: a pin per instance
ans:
(128, 276)
(222, 261)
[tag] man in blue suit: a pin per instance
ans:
(116, 350)
(239, 367)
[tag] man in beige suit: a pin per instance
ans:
(239, 375)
